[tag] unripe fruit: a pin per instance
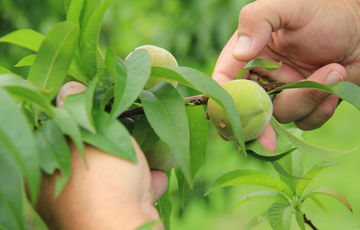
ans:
(160, 157)
(159, 57)
(253, 105)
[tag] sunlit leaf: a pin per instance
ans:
(26, 61)
(165, 110)
(279, 216)
(258, 63)
(3, 70)
(300, 219)
(283, 172)
(26, 38)
(74, 11)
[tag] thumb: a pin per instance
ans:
(69, 88)
(256, 23)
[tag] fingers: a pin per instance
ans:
(296, 104)
(268, 139)
(69, 88)
(256, 23)
(159, 184)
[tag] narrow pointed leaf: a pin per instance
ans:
(54, 153)
(328, 192)
(16, 138)
(3, 70)
(74, 11)
(318, 202)
(165, 110)
(26, 61)
(277, 196)
(26, 38)
(258, 63)
(279, 216)
(300, 219)
(54, 57)
(250, 177)
(138, 72)
(283, 172)
(11, 187)
(164, 206)
(204, 84)
(111, 137)
(301, 186)
(305, 147)
(255, 221)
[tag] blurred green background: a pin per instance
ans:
(195, 32)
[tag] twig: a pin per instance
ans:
(308, 222)
(202, 99)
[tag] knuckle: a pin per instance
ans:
(314, 96)
(246, 11)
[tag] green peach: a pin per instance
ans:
(253, 105)
(160, 157)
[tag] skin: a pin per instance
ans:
(112, 193)
(316, 40)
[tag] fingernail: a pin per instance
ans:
(333, 78)
(242, 45)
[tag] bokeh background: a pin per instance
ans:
(195, 32)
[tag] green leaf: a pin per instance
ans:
(90, 36)
(112, 137)
(77, 72)
(183, 187)
(258, 63)
(74, 11)
(69, 127)
(293, 165)
(262, 194)
(301, 186)
(283, 172)
(306, 147)
(11, 186)
(87, 11)
(138, 72)
(164, 207)
(118, 71)
(256, 149)
(318, 202)
(279, 216)
(3, 70)
(254, 222)
(148, 225)
(165, 110)
(300, 219)
(345, 90)
(26, 38)
(144, 133)
(26, 61)
(17, 139)
(53, 60)
(80, 105)
(250, 177)
(198, 128)
(328, 192)
(54, 153)
(204, 84)
(23, 89)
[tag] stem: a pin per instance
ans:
(202, 99)
(308, 222)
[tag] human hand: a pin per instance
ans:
(315, 40)
(112, 193)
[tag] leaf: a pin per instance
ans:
(300, 219)
(328, 192)
(148, 225)
(77, 72)
(306, 147)
(254, 222)
(198, 128)
(345, 90)
(279, 216)
(283, 172)
(54, 153)
(74, 11)
(165, 110)
(183, 187)
(164, 207)
(112, 137)
(258, 63)
(118, 71)
(301, 186)
(26, 38)
(250, 177)
(317, 201)
(144, 134)
(54, 57)
(23, 89)
(26, 61)
(262, 194)
(80, 105)
(11, 186)
(204, 84)
(69, 127)
(256, 149)
(3, 70)
(293, 164)
(89, 38)
(17, 139)
(138, 72)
